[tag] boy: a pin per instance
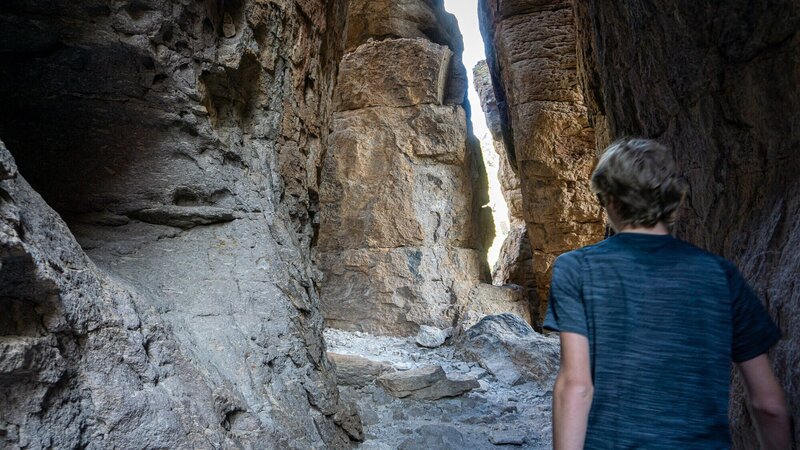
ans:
(649, 325)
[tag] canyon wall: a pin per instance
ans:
(718, 83)
(402, 228)
(180, 141)
(545, 129)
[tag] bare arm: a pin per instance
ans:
(767, 403)
(572, 395)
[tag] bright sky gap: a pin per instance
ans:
(466, 11)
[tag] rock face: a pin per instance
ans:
(720, 88)
(401, 237)
(180, 142)
(546, 132)
(486, 300)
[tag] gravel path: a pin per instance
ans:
(494, 416)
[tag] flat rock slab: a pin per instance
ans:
(357, 371)
(427, 383)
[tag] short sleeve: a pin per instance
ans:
(565, 309)
(754, 331)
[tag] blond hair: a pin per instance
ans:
(639, 175)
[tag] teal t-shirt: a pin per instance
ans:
(664, 320)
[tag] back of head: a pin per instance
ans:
(640, 177)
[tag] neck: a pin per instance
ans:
(659, 228)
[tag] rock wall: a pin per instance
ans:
(180, 140)
(532, 62)
(515, 264)
(402, 230)
(717, 82)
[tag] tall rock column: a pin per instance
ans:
(717, 82)
(400, 240)
(532, 61)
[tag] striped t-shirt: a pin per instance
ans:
(664, 320)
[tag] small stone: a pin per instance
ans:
(432, 337)
(507, 438)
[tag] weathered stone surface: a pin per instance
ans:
(511, 350)
(180, 141)
(516, 263)
(402, 228)
(432, 337)
(394, 291)
(486, 300)
(720, 88)
(425, 19)
(352, 370)
(532, 63)
(380, 19)
(184, 216)
(75, 348)
(394, 72)
(394, 175)
(348, 419)
(8, 168)
(427, 383)
(434, 437)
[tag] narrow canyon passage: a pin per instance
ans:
(265, 223)
(404, 236)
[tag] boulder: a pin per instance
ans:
(508, 348)
(432, 337)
